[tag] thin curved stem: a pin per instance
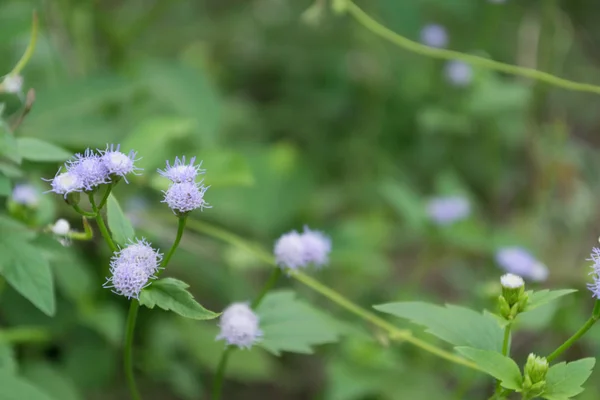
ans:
(128, 351)
(105, 197)
(218, 382)
(365, 20)
(393, 332)
(220, 376)
(586, 327)
(102, 225)
(30, 47)
(82, 212)
(180, 229)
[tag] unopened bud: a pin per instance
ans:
(61, 227)
(12, 84)
(536, 368)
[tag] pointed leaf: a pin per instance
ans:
(171, 295)
(8, 146)
(495, 364)
(564, 381)
(292, 325)
(456, 325)
(28, 272)
(5, 187)
(120, 227)
(39, 150)
(541, 297)
(15, 388)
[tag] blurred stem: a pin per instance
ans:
(393, 332)
(84, 213)
(128, 359)
(505, 351)
(545, 54)
(102, 225)
(180, 229)
(30, 47)
(220, 376)
(24, 335)
(369, 23)
(218, 383)
(586, 327)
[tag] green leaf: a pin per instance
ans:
(8, 364)
(120, 227)
(456, 325)
(291, 325)
(48, 377)
(15, 388)
(38, 150)
(171, 295)
(495, 364)
(542, 297)
(8, 146)
(5, 187)
(564, 381)
(406, 202)
(28, 272)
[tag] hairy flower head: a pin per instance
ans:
(595, 286)
(132, 268)
(434, 35)
(181, 172)
(459, 73)
(61, 227)
(185, 196)
(511, 281)
(518, 261)
(26, 194)
(290, 251)
(118, 163)
(89, 168)
(447, 210)
(316, 247)
(65, 183)
(239, 326)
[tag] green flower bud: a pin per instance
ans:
(513, 288)
(72, 198)
(503, 307)
(536, 369)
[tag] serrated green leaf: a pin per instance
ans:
(120, 227)
(15, 388)
(495, 364)
(564, 380)
(541, 297)
(292, 325)
(456, 325)
(171, 295)
(39, 150)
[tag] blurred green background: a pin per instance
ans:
(311, 119)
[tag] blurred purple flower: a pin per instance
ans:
(316, 247)
(132, 268)
(518, 261)
(239, 326)
(434, 35)
(289, 251)
(459, 73)
(26, 194)
(446, 210)
(181, 172)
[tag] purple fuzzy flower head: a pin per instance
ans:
(65, 183)
(434, 35)
(118, 163)
(518, 261)
(181, 172)
(459, 73)
(26, 195)
(132, 268)
(316, 247)
(239, 326)
(446, 210)
(185, 196)
(595, 287)
(90, 170)
(290, 251)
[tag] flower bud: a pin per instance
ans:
(513, 288)
(536, 368)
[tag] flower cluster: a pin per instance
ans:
(132, 268)
(239, 326)
(85, 172)
(595, 287)
(297, 250)
(517, 260)
(184, 194)
(447, 210)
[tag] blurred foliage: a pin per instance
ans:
(297, 123)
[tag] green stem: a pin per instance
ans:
(105, 197)
(586, 327)
(365, 20)
(180, 229)
(30, 47)
(505, 351)
(218, 382)
(220, 376)
(128, 358)
(102, 225)
(82, 212)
